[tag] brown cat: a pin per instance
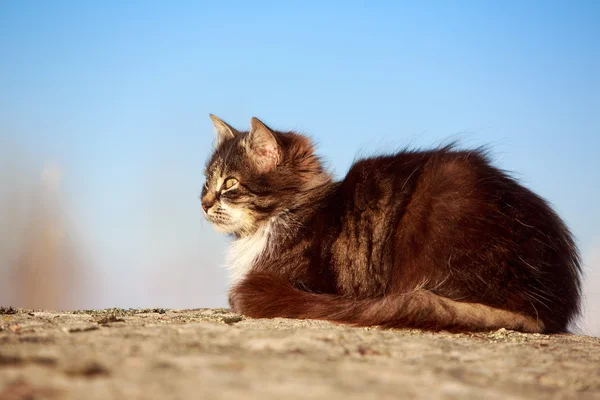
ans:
(436, 239)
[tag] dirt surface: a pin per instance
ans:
(213, 354)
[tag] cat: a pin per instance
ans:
(437, 239)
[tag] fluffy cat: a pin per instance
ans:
(436, 239)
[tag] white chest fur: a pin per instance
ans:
(244, 252)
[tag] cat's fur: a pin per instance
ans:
(436, 239)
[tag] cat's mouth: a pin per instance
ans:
(226, 218)
(223, 223)
(219, 222)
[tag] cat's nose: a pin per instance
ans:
(206, 204)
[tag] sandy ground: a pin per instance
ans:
(213, 354)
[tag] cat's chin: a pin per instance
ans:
(223, 228)
(229, 229)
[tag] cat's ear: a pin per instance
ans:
(263, 146)
(224, 131)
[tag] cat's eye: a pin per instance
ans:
(229, 183)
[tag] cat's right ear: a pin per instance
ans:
(263, 146)
(224, 131)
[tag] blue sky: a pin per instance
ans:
(118, 94)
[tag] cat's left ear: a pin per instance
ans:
(263, 146)
(224, 130)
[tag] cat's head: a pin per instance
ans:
(253, 176)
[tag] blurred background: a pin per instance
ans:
(104, 127)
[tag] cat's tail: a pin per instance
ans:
(262, 295)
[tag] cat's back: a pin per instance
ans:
(392, 179)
